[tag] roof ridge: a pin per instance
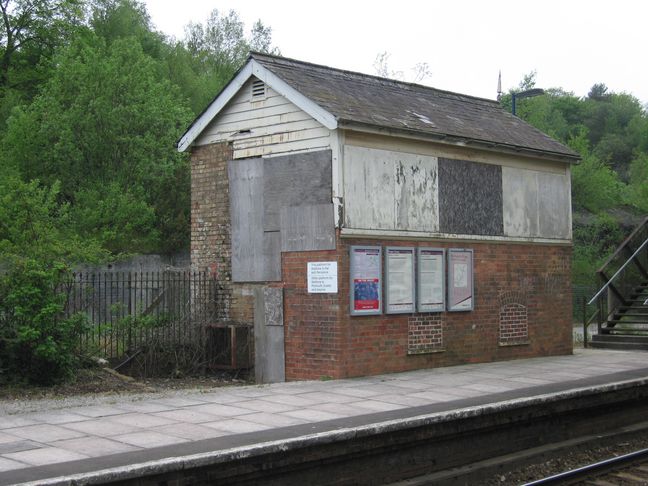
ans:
(257, 55)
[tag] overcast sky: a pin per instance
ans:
(569, 43)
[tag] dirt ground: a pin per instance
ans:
(104, 381)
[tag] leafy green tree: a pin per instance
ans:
(637, 193)
(31, 31)
(38, 342)
(212, 52)
(105, 126)
(595, 186)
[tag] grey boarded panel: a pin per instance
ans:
(520, 201)
(246, 211)
(295, 180)
(271, 256)
(273, 306)
(554, 206)
(306, 228)
(470, 198)
(269, 357)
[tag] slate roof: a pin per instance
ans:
(360, 100)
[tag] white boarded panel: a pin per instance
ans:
(306, 228)
(554, 205)
(246, 211)
(368, 189)
(416, 192)
(520, 202)
(390, 190)
(535, 204)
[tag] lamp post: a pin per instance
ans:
(529, 93)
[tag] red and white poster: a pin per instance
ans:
(366, 294)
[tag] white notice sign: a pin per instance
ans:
(430, 280)
(322, 278)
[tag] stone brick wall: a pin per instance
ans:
(323, 340)
(211, 229)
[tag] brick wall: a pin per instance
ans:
(322, 340)
(211, 229)
(425, 333)
(514, 325)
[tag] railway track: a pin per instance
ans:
(627, 469)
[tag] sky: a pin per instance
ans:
(570, 44)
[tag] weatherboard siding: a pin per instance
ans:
(269, 126)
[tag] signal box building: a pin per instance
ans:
(364, 225)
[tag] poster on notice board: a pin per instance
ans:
(399, 280)
(460, 280)
(366, 280)
(431, 276)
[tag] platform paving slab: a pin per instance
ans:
(128, 429)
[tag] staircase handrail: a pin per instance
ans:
(605, 286)
(623, 245)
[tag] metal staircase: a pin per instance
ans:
(622, 302)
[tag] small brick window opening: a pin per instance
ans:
(514, 325)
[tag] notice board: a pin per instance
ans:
(399, 280)
(430, 273)
(460, 280)
(366, 280)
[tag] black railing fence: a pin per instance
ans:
(131, 314)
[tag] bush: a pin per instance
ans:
(37, 344)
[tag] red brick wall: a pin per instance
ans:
(323, 340)
(425, 333)
(514, 324)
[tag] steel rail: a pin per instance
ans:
(601, 466)
(618, 272)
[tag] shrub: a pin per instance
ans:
(37, 344)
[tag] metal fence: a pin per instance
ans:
(128, 312)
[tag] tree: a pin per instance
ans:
(420, 71)
(38, 343)
(31, 31)
(104, 131)
(212, 52)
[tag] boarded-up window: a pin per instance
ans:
(259, 190)
(390, 190)
(470, 198)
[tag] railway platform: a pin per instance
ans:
(370, 430)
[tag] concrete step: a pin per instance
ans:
(630, 342)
